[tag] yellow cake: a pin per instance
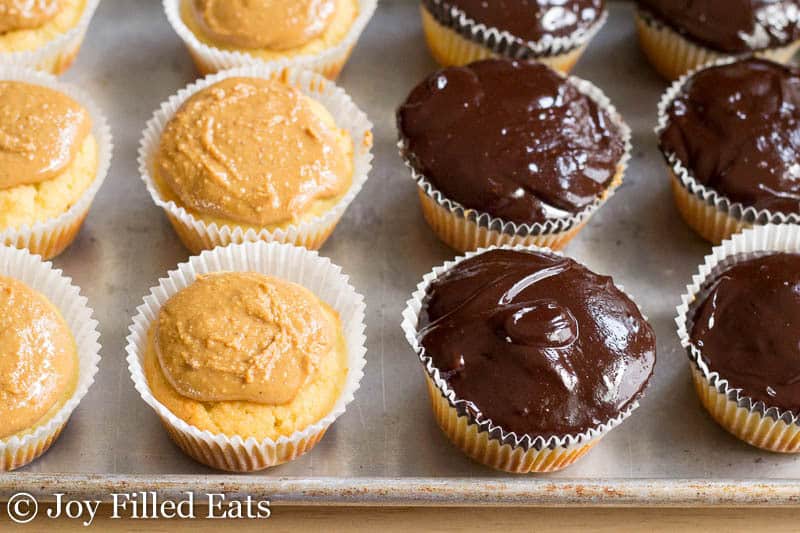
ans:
(25, 205)
(48, 155)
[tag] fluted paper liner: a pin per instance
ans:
(760, 425)
(56, 55)
(673, 55)
(712, 215)
(17, 451)
(50, 237)
(456, 39)
(328, 63)
(479, 437)
(320, 276)
(199, 235)
(465, 229)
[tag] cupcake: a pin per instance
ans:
(740, 324)
(552, 32)
(248, 353)
(319, 34)
(678, 37)
(730, 134)
(55, 155)
(48, 355)
(507, 152)
(530, 358)
(43, 34)
(258, 153)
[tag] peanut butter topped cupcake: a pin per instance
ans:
(221, 34)
(247, 354)
(38, 359)
(48, 154)
(272, 25)
(253, 152)
(45, 34)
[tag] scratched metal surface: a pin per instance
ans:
(387, 448)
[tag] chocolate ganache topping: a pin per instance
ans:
(512, 139)
(747, 329)
(736, 128)
(535, 342)
(530, 20)
(731, 26)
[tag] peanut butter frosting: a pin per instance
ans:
(38, 357)
(273, 24)
(26, 14)
(41, 132)
(253, 151)
(235, 336)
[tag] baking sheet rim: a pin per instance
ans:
(411, 492)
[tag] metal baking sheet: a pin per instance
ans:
(387, 448)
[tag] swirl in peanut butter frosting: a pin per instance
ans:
(38, 357)
(253, 151)
(41, 132)
(273, 24)
(242, 337)
(26, 14)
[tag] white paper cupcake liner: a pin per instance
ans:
(18, 451)
(714, 216)
(319, 275)
(466, 229)
(503, 43)
(328, 62)
(198, 235)
(479, 437)
(56, 55)
(754, 422)
(673, 55)
(50, 237)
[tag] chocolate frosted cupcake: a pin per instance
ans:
(508, 152)
(731, 136)
(740, 323)
(680, 36)
(553, 32)
(522, 369)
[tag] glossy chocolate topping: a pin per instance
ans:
(736, 128)
(748, 329)
(512, 139)
(530, 20)
(732, 26)
(536, 343)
